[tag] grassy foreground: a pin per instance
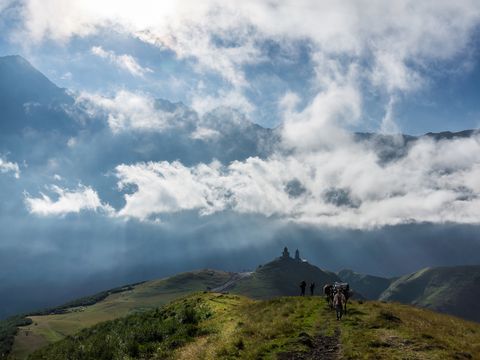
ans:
(46, 329)
(216, 326)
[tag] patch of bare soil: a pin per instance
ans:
(321, 347)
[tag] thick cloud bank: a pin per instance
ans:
(343, 186)
(317, 174)
(391, 46)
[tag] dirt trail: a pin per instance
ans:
(231, 282)
(321, 347)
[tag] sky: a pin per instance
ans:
(151, 160)
(415, 66)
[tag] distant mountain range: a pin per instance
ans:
(451, 290)
(368, 286)
(29, 100)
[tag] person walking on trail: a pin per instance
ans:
(312, 288)
(338, 301)
(303, 285)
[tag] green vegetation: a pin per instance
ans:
(280, 325)
(85, 301)
(152, 334)
(8, 330)
(368, 286)
(47, 329)
(392, 331)
(224, 326)
(277, 278)
(453, 290)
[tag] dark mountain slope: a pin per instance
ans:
(282, 277)
(452, 290)
(368, 286)
(29, 100)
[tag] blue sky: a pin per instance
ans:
(106, 176)
(281, 62)
(450, 101)
(320, 73)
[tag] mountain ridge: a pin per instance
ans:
(15, 66)
(225, 326)
(369, 286)
(29, 99)
(277, 278)
(452, 290)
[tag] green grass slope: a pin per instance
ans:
(227, 326)
(8, 330)
(282, 277)
(452, 290)
(62, 321)
(368, 286)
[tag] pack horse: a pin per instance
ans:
(329, 290)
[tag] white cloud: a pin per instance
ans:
(129, 111)
(203, 133)
(126, 62)
(390, 43)
(326, 178)
(67, 76)
(234, 99)
(319, 125)
(388, 125)
(339, 186)
(7, 167)
(161, 192)
(391, 72)
(399, 30)
(4, 4)
(66, 201)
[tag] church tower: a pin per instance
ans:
(297, 255)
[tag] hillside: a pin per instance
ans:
(438, 289)
(63, 321)
(368, 286)
(282, 277)
(222, 326)
(452, 290)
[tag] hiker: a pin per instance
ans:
(338, 302)
(312, 288)
(328, 292)
(303, 285)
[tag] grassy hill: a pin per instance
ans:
(277, 278)
(442, 289)
(62, 321)
(452, 290)
(368, 286)
(282, 277)
(227, 326)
